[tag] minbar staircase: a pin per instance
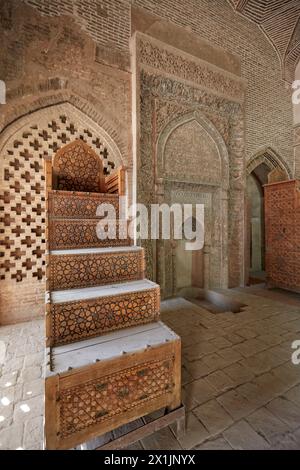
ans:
(109, 358)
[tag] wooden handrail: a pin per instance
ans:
(115, 184)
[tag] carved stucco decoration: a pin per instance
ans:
(226, 115)
(158, 55)
(210, 158)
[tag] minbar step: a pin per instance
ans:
(71, 204)
(77, 314)
(82, 233)
(87, 267)
(100, 384)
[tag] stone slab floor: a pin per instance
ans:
(240, 387)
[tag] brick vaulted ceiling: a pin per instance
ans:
(280, 22)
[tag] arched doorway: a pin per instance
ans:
(264, 167)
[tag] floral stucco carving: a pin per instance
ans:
(162, 57)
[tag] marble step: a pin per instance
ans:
(82, 233)
(77, 314)
(71, 204)
(110, 346)
(87, 267)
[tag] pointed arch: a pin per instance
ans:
(271, 159)
(211, 131)
(76, 167)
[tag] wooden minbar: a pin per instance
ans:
(110, 360)
(282, 222)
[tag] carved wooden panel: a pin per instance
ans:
(96, 401)
(98, 397)
(79, 204)
(71, 271)
(78, 320)
(282, 202)
(82, 233)
(78, 168)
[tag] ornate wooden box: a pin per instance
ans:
(109, 381)
(282, 221)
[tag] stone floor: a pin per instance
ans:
(240, 387)
(22, 385)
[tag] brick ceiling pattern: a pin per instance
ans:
(280, 22)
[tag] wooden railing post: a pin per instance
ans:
(115, 184)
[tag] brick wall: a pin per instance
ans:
(48, 62)
(269, 117)
(107, 21)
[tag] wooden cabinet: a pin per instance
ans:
(282, 224)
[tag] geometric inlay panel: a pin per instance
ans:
(282, 234)
(82, 233)
(71, 271)
(78, 320)
(93, 402)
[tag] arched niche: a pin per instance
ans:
(192, 167)
(23, 146)
(192, 140)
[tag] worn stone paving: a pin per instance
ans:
(240, 387)
(22, 385)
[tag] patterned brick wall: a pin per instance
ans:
(22, 200)
(107, 21)
(269, 117)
